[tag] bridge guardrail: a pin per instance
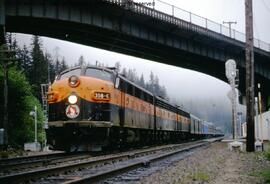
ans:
(175, 15)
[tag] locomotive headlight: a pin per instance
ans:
(72, 99)
(73, 81)
(101, 96)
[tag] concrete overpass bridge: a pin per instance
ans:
(139, 31)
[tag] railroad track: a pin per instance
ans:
(20, 164)
(101, 167)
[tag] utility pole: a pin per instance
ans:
(249, 77)
(230, 26)
(5, 61)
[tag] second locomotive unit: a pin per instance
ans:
(93, 107)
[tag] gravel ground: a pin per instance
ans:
(215, 164)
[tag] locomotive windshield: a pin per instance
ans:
(68, 74)
(100, 74)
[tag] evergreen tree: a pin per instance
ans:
(151, 82)
(124, 72)
(38, 71)
(25, 60)
(50, 69)
(22, 55)
(81, 61)
(132, 75)
(118, 67)
(63, 65)
(141, 81)
(57, 67)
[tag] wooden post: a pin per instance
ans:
(249, 77)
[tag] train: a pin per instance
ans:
(91, 108)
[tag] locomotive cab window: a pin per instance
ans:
(68, 74)
(100, 74)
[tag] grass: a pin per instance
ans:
(200, 176)
(266, 175)
(255, 174)
(7, 154)
(267, 154)
(4, 154)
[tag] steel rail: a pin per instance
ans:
(4, 161)
(30, 164)
(56, 170)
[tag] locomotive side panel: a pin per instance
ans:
(165, 120)
(137, 107)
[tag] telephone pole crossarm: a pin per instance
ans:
(230, 26)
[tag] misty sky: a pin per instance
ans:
(179, 82)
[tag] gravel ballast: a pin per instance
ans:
(215, 164)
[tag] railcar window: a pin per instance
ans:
(151, 99)
(144, 96)
(137, 92)
(122, 85)
(148, 98)
(130, 90)
(100, 74)
(70, 73)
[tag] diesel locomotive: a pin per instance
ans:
(94, 107)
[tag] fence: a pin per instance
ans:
(173, 14)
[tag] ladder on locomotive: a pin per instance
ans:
(44, 93)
